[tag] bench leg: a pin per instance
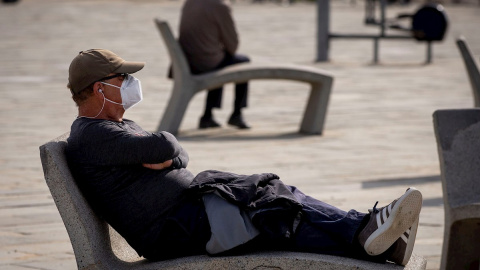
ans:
(461, 249)
(176, 108)
(316, 110)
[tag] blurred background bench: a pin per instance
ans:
(186, 85)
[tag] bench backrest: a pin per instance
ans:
(89, 235)
(181, 69)
(457, 133)
(472, 68)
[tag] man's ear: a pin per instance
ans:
(97, 90)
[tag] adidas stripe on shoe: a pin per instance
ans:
(387, 224)
(403, 247)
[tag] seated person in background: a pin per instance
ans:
(137, 181)
(209, 39)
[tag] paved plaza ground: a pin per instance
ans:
(378, 138)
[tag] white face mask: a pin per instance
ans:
(131, 91)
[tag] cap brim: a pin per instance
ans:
(129, 67)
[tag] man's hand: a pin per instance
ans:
(158, 166)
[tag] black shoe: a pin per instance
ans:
(207, 123)
(238, 122)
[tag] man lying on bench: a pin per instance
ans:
(138, 182)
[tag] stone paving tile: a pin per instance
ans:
(18, 267)
(378, 137)
(46, 261)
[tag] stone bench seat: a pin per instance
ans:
(472, 67)
(456, 131)
(97, 246)
(186, 85)
(249, 71)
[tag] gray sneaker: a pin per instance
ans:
(403, 247)
(387, 224)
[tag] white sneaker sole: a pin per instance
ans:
(410, 242)
(402, 216)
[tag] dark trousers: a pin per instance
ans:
(214, 96)
(185, 232)
(323, 229)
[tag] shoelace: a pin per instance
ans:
(375, 210)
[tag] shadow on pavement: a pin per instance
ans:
(430, 202)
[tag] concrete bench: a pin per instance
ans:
(186, 85)
(97, 246)
(472, 67)
(457, 133)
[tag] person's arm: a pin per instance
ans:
(109, 144)
(158, 166)
(226, 25)
(181, 161)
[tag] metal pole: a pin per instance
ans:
(429, 52)
(370, 12)
(383, 5)
(323, 20)
(375, 50)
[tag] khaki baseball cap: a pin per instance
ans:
(92, 65)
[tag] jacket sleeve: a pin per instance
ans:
(110, 145)
(181, 161)
(227, 29)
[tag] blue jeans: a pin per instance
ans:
(326, 229)
(323, 229)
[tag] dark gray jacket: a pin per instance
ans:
(106, 158)
(272, 206)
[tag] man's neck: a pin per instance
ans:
(88, 112)
(98, 113)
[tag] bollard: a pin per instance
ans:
(323, 21)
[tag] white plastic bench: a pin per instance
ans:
(97, 246)
(186, 85)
